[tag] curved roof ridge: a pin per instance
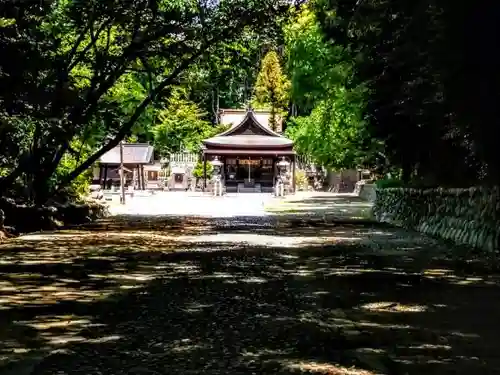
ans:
(250, 116)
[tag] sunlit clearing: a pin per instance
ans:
(469, 280)
(130, 277)
(430, 346)
(254, 280)
(382, 233)
(383, 326)
(59, 330)
(185, 268)
(324, 368)
(286, 256)
(78, 236)
(62, 340)
(453, 278)
(196, 307)
(465, 335)
(186, 345)
(265, 240)
(437, 272)
(265, 352)
(393, 307)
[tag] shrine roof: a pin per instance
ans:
(249, 134)
(133, 153)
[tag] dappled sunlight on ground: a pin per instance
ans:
(284, 295)
(393, 307)
(328, 205)
(324, 368)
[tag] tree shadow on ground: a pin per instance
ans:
(334, 207)
(137, 304)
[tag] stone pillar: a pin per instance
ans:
(105, 176)
(134, 177)
(293, 172)
(100, 175)
(146, 178)
(204, 172)
(143, 187)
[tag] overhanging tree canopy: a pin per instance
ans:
(89, 48)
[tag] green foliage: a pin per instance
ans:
(332, 135)
(79, 187)
(224, 79)
(198, 170)
(389, 183)
(93, 73)
(81, 184)
(181, 126)
(272, 88)
(332, 129)
(424, 64)
(315, 67)
(301, 180)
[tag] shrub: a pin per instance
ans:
(198, 170)
(301, 180)
(388, 183)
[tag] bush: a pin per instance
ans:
(301, 180)
(389, 183)
(198, 170)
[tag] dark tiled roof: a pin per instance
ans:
(133, 153)
(249, 121)
(249, 140)
(249, 134)
(230, 151)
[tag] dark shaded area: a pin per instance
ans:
(375, 299)
(433, 84)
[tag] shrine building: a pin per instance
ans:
(250, 152)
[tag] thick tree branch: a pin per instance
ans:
(125, 129)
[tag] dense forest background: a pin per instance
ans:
(407, 88)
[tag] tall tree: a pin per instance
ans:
(331, 128)
(90, 49)
(433, 82)
(180, 126)
(272, 87)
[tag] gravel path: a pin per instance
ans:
(247, 295)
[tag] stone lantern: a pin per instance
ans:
(283, 165)
(217, 164)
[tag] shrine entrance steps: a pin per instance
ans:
(249, 189)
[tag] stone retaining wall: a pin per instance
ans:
(365, 190)
(466, 216)
(22, 218)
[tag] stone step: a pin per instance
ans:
(249, 190)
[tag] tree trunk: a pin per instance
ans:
(215, 105)
(272, 118)
(406, 172)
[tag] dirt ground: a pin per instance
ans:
(248, 295)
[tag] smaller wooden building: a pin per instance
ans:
(135, 157)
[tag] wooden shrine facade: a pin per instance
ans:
(249, 152)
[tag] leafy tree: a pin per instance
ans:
(333, 135)
(224, 79)
(429, 72)
(180, 126)
(272, 87)
(332, 129)
(198, 170)
(313, 65)
(85, 56)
